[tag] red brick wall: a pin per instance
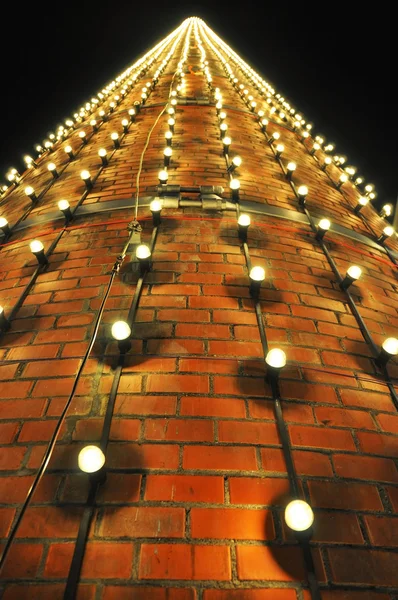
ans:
(192, 507)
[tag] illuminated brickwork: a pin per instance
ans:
(197, 480)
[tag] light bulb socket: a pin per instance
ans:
(254, 289)
(116, 143)
(278, 153)
(4, 322)
(382, 238)
(324, 166)
(137, 107)
(169, 141)
(132, 117)
(124, 346)
(358, 208)
(6, 230)
(125, 128)
(347, 281)
(320, 234)
(383, 358)
(301, 199)
(41, 257)
(242, 232)
(71, 155)
(339, 184)
(104, 160)
(145, 264)
(171, 128)
(33, 197)
(156, 218)
(289, 175)
(55, 173)
(83, 140)
(226, 150)
(95, 127)
(166, 160)
(67, 213)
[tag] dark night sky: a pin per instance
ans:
(336, 66)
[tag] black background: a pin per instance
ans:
(334, 62)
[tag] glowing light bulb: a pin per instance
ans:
(91, 459)
(30, 192)
(36, 246)
(82, 135)
(143, 252)
(279, 149)
(388, 231)
(63, 205)
(299, 515)
(257, 273)
(237, 161)
(168, 152)
(276, 358)
(302, 193)
(324, 224)
(387, 210)
(354, 272)
(121, 330)
(390, 345)
(275, 136)
(363, 201)
(234, 184)
(102, 152)
(3, 222)
(85, 175)
(291, 166)
(114, 136)
(155, 206)
(51, 167)
(244, 220)
(163, 176)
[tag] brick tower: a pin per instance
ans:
(196, 289)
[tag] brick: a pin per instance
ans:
(342, 417)
(270, 563)
(231, 523)
(367, 468)
(50, 522)
(185, 488)
(337, 528)
(372, 567)
(190, 430)
(319, 437)
(22, 561)
(212, 407)
(234, 317)
(254, 594)
(133, 522)
(102, 560)
(366, 400)
(290, 323)
(120, 487)
(219, 458)
(388, 423)
(23, 409)
(253, 490)
(376, 443)
(145, 405)
(8, 432)
(240, 386)
(36, 431)
(15, 389)
(7, 372)
(183, 561)
(346, 496)
(176, 290)
(184, 315)
(241, 432)
(210, 331)
(43, 368)
(314, 313)
(11, 458)
(383, 531)
(153, 456)
(147, 593)
(197, 384)
(175, 346)
(309, 392)
(45, 592)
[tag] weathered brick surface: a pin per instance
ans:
(192, 507)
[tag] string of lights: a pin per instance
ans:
(143, 254)
(299, 516)
(92, 458)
